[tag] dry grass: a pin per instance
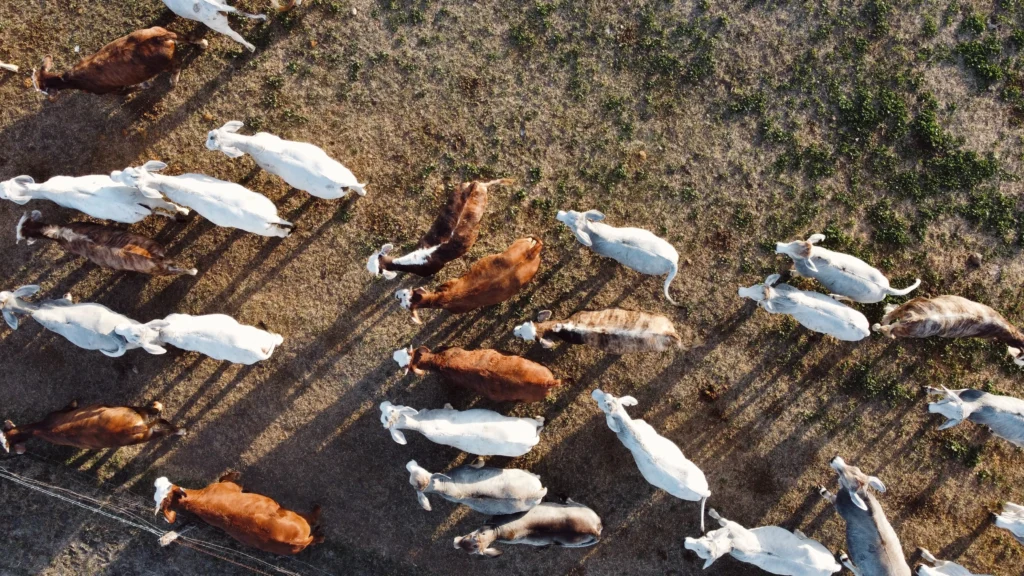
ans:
(722, 126)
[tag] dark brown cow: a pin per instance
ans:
(103, 246)
(252, 519)
(125, 62)
(486, 372)
(951, 317)
(490, 281)
(452, 235)
(93, 427)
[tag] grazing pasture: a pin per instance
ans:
(721, 126)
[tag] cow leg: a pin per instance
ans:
(846, 562)
(313, 517)
(162, 428)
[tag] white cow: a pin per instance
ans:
(477, 431)
(223, 203)
(1012, 519)
(770, 548)
(213, 13)
(98, 196)
(301, 165)
(86, 325)
(634, 248)
(218, 336)
(1004, 415)
(942, 567)
(660, 461)
(847, 277)
(815, 311)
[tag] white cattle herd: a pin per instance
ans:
(513, 498)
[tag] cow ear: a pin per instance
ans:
(233, 126)
(491, 552)
(11, 319)
(627, 401)
(26, 290)
(424, 502)
(612, 424)
(397, 436)
(771, 280)
(951, 423)
(858, 501)
(593, 215)
(547, 343)
(876, 483)
(583, 237)
(154, 349)
(543, 315)
(154, 166)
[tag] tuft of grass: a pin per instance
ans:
(890, 228)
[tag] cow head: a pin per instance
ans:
(579, 223)
(216, 140)
(613, 407)
(855, 482)
(408, 358)
(137, 177)
(391, 417)
(800, 249)
(145, 336)
(166, 496)
(478, 542)
(951, 406)
(373, 264)
(760, 293)
(9, 303)
(409, 299)
(420, 479)
(10, 437)
(711, 546)
(16, 189)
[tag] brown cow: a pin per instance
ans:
(102, 245)
(486, 372)
(252, 519)
(490, 281)
(124, 63)
(451, 236)
(951, 317)
(93, 427)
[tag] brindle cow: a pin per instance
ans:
(102, 245)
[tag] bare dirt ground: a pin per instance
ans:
(722, 126)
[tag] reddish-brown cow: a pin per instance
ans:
(125, 62)
(93, 427)
(486, 372)
(252, 519)
(490, 281)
